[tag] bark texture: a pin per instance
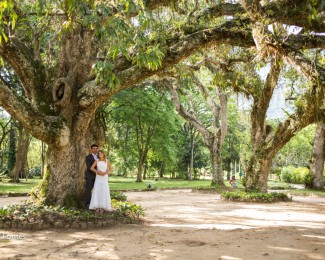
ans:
(318, 158)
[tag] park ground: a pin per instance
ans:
(181, 224)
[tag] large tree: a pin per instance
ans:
(72, 56)
(318, 158)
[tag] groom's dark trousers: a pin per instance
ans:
(90, 179)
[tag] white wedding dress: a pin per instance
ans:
(100, 197)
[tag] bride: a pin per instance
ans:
(100, 198)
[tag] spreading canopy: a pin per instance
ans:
(88, 50)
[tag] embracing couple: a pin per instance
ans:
(97, 194)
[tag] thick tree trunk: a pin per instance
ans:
(257, 174)
(190, 177)
(126, 155)
(216, 161)
(12, 148)
(21, 170)
(43, 159)
(318, 158)
(145, 170)
(161, 171)
(64, 179)
(140, 170)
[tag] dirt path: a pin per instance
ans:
(185, 225)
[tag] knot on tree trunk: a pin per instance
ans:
(62, 92)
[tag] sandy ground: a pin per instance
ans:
(181, 224)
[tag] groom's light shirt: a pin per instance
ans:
(95, 156)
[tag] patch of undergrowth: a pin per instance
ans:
(255, 196)
(212, 189)
(130, 211)
(117, 195)
(278, 188)
(308, 192)
(54, 216)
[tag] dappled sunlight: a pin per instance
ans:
(313, 236)
(228, 258)
(288, 249)
(185, 225)
(202, 226)
(160, 254)
(208, 215)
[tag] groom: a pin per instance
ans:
(90, 175)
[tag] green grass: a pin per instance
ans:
(308, 192)
(277, 185)
(124, 184)
(118, 183)
(21, 187)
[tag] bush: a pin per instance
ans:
(117, 195)
(243, 181)
(286, 174)
(291, 174)
(27, 215)
(255, 196)
(131, 212)
(35, 171)
(209, 189)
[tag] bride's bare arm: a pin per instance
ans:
(109, 168)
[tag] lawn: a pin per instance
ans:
(115, 183)
(127, 184)
(118, 183)
(21, 187)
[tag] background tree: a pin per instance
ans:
(5, 122)
(20, 169)
(191, 154)
(212, 131)
(150, 120)
(12, 148)
(231, 150)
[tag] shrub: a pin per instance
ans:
(130, 211)
(50, 215)
(286, 174)
(291, 174)
(255, 196)
(35, 171)
(209, 189)
(243, 181)
(117, 195)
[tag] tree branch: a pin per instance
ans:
(287, 12)
(314, 71)
(94, 95)
(29, 70)
(186, 115)
(294, 123)
(212, 104)
(262, 101)
(37, 124)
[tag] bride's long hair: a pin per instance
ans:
(101, 151)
